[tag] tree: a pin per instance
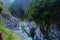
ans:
(44, 13)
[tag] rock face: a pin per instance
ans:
(27, 32)
(7, 3)
(11, 23)
(17, 10)
(18, 7)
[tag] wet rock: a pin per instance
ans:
(11, 23)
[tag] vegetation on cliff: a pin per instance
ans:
(7, 34)
(45, 11)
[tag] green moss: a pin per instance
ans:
(3, 7)
(6, 33)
